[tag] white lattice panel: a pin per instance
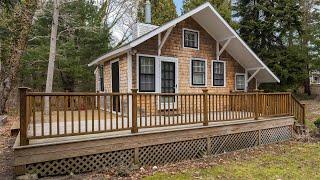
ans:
(276, 134)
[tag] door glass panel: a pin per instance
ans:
(168, 80)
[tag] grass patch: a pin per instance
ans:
(299, 161)
(310, 125)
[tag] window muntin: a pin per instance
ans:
(218, 73)
(240, 82)
(191, 39)
(146, 74)
(198, 68)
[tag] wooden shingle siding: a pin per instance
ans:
(173, 47)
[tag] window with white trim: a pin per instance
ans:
(198, 72)
(190, 39)
(146, 74)
(218, 73)
(240, 82)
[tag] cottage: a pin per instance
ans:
(168, 95)
(194, 51)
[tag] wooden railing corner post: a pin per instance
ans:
(256, 109)
(303, 113)
(205, 107)
(23, 116)
(134, 128)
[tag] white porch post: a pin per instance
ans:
(246, 83)
(129, 82)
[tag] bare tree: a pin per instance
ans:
(52, 53)
(22, 16)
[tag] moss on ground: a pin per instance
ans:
(294, 161)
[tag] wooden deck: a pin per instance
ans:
(88, 131)
(93, 125)
(241, 133)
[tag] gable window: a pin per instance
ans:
(240, 82)
(218, 73)
(198, 72)
(101, 80)
(146, 74)
(190, 38)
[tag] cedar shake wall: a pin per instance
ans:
(173, 47)
(122, 71)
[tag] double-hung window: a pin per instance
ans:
(240, 82)
(218, 73)
(198, 72)
(146, 74)
(190, 39)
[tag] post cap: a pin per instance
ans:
(204, 90)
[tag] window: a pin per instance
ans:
(146, 74)
(240, 82)
(218, 73)
(198, 72)
(191, 39)
(101, 78)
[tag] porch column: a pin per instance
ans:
(129, 84)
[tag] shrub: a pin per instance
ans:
(317, 123)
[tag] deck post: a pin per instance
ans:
(256, 107)
(23, 116)
(303, 113)
(205, 107)
(134, 128)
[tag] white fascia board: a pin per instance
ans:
(110, 54)
(243, 43)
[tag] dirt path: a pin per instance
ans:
(6, 154)
(313, 109)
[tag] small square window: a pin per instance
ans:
(191, 39)
(240, 82)
(198, 68)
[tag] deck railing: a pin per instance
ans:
(70, 114)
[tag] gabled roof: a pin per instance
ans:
(219, 29)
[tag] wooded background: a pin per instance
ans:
(71, 33)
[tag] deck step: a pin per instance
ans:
(15, 128)
(300, 129)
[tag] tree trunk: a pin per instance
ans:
(10, 67)
(52, 53)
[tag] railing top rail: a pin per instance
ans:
(141, 93)
(73, 94)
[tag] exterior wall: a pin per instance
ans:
(122, 72)
(173, 48)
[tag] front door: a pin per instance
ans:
(168, 82)
(115, 86)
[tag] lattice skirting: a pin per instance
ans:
(162, 153)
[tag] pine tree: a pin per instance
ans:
(272, 28)
(223, 6)
(162, 11)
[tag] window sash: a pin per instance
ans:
(147, 74)
(218, 73)
(240, 82)
(198, 74)
(191, 39)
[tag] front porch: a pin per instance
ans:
(105, 129)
